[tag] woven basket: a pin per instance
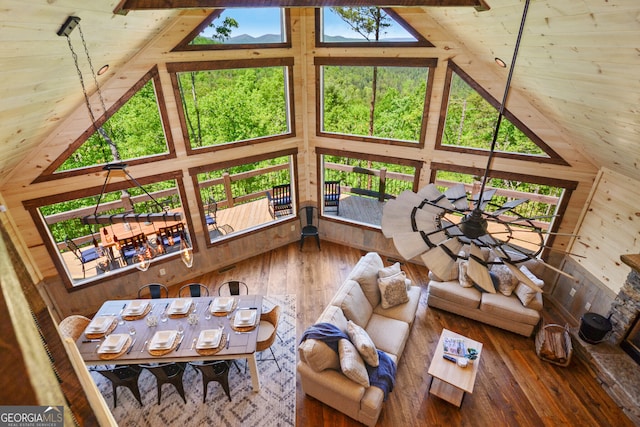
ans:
(548, 351)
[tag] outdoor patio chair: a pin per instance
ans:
(280, 200)
(84, 256)
(332, 195)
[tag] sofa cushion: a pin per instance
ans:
(363, 344)
(451, 291)
(318, 355)
(508, 308)
(389, 335)
(351, 363)
(355, 305)
(335, 316)
(365, 273)
(393, 290)
(405, 312)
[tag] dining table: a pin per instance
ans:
(143, 331)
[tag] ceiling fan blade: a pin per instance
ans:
(397, 218)
(443, 257)
(410, 245)
(478, 270)
(486, 198)
(508, 206)
(435, 197)
(522, 277)
(458, 196)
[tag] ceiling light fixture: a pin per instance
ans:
(103, 69)
(500, 62)
(436, 226)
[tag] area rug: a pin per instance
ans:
(274, 405)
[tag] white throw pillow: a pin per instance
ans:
(524, 293)
(463, 278)
(363, 343)
(389, 271)
(393, 290)
(318, 355)
(365, 273)
(352, 364)
(507, 281)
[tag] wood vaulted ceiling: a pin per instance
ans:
(578, 65)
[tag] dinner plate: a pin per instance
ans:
(245, 317)
(99, 324)
(162, 340)
(180, 306)
(113, 343)
(135, 307)
(221, 304)
(209, 338)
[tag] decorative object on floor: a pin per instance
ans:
(273, 405)
(553, 344)
(437, 226)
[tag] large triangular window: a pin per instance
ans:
(365, 26)
(238, 28)
(132, 132)
(470, 119)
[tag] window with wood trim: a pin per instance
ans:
(471, 114)
(247, 194)
(224, 103)
(374, 99)
(366, 182)
(88, 253)
(238, 28)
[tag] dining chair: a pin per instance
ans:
(168, 373)
(122, 376)
(73, 326)
(194, 290)
(267, 331)
(332, 195)
(232, 288)
(309, 224)
(84, 256)
(213, 370)
(153, 290)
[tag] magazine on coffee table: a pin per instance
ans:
(454, 346)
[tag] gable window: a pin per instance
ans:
(365, 181)
(134, 129)
(374, 99)
(226, 103)
(238, 28)
(471, 114)
(365, 26)
(244, 195)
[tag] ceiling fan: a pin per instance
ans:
(437, 225)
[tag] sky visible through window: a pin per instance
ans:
(257, 22)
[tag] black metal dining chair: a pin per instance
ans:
(168, 373)
(194, 290)
(233, 288)
(309, 224)
(154, 291)
(122, 376)
(213, 370)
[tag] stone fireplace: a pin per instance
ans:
(618, 371)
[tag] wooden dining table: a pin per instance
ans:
(240, 342)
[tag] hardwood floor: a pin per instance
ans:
(513, 388)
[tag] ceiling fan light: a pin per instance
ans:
(500, 62)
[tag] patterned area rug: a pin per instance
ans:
(274, 405)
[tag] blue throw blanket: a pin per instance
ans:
(382, 376)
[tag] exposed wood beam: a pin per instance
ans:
(126, 5)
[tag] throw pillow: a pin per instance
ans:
(393, 290)
(494, 280)
(363, 343)
(464, 280)
(351, 363)
(524, 293)
(507, 280)
(354, 303)
(318, 355)
(366, 274)
(389, 271)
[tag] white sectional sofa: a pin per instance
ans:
(322, 371)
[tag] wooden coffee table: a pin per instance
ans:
(449, 381)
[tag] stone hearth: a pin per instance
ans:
(617, 372)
